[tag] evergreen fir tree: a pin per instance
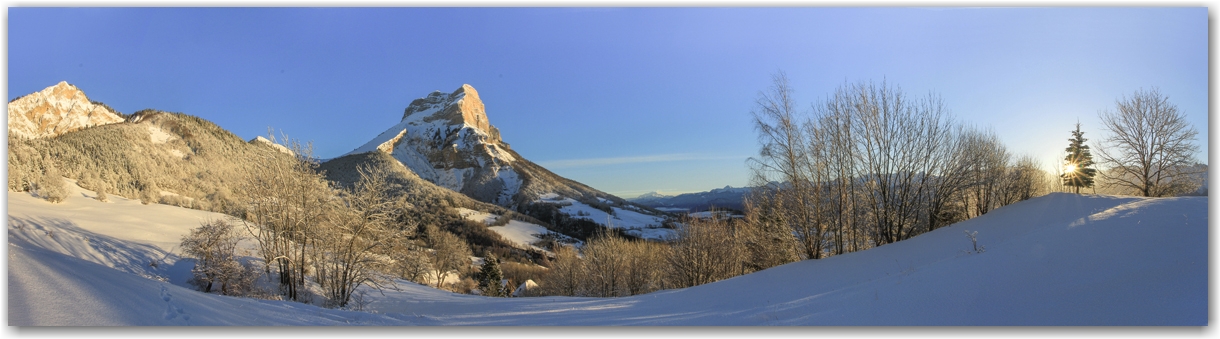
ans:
(490, 277)
(1079, 171)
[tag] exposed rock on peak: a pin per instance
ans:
(446, 139)
(461, 106)
(56, 110)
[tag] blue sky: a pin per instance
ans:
(625, 100)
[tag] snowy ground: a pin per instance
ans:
(1057, 260)
(635, 223)
(520, 233)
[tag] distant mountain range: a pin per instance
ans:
(727, 197)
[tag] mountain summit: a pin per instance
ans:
(463, 106)
(447, 139)
(56, 110)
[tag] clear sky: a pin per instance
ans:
(625, 100)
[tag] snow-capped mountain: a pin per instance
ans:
(54, 111)
(447, 139)
(651, 196)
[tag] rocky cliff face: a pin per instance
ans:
(448, 140)
(463, 106)
(54, 111)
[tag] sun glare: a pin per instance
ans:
(1070, 168)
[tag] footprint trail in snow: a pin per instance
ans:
(171, 309)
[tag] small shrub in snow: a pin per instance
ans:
(101, 195)
(975, 241)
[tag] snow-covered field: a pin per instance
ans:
(635, 223)
(1061, 259)
(520, 233)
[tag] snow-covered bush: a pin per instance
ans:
(214, 247)
(101, 194)
(51, 186)
(151, 194)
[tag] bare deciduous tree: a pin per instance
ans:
(705, 251)
(866, 167)
(286, 213)
(766, 239)
(785, 156)
(355, 247)
(1150, 146)
(566, 273)
(646, 267)
(449, 253)
(1024, 180)
(605, 266)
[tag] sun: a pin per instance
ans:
(1070, 168)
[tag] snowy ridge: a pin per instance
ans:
(259, 140)
(56, 110)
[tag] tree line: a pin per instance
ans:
(870, 165)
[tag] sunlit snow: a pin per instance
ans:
(1061, 259)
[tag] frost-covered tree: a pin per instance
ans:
(1078, 171)
(101, 193)
(51, 184)
(214, 246)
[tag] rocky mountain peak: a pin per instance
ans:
(463, 106)
(56, 110)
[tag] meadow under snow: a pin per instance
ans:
(1061, 259)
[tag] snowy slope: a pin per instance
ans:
(1061, 259)
(645, 226)
(521, 234)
